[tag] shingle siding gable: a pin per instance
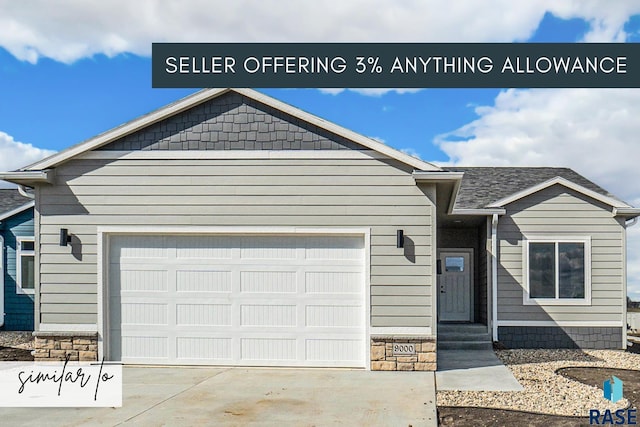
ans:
(232, 122)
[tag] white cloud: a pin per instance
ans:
(370, 91)
(69, 30)
(14, 154)
(593, 131)
(377, 138)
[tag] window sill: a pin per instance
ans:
(554, 301)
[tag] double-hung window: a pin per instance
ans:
(25, 265)
(557, 270)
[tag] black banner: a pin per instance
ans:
(396, 65)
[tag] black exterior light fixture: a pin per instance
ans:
(65, 239)
(400, 238)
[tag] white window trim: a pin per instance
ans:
(19, 254)
(586, 240)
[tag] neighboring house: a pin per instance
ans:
(17, 267)
(230, 228)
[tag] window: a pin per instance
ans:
(557, 270)
(454, 263)
(25, 265)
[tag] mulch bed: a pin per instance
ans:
(484, 417)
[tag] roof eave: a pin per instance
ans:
(480, 211)
(439, 177)
(29, 178)
(429, 176)
(17, 210)
(565, 183)
(629, 213)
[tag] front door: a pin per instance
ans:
(454, 297)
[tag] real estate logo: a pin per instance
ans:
(612, 388)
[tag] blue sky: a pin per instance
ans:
(73, 70)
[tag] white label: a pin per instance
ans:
(403, 349)
(60, 384)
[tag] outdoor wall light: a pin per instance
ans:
(400, 238)
(64, 237)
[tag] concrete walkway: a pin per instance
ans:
(477, 370)
(176, 396)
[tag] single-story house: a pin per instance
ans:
(18, 259)
(230, 228)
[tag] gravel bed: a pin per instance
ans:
(16, 339)
(544, 390)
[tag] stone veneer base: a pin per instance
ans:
(382, 358)
(78, 346)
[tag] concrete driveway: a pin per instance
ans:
(177, 396)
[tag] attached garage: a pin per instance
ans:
(232, 229)
(229, 299)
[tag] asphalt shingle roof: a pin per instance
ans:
(10, 199)
(482, 186)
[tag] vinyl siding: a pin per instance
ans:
(18, 308)
(559, 211)
(367, 192)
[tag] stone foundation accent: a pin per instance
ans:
(382, 358)
(560, 337)
(52, 346)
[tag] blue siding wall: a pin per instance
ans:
(18, 308)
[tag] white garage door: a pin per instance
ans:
(237, 300)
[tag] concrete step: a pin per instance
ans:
(464, 345)
(462, 327)
(463, 336)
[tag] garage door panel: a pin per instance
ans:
(203, 314)
(333, 282)
(333, 315)
(267, 247)
(333, 248)
(145, 347)
(268, 315)
(330, 349)
(141, 280)
(137, 247)
(268, 281)
(214, 281)
(205, 247)
(205, 348)
(270, 348)
(238, 300)
(144, 313)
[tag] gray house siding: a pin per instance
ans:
(326, 193)
(18, 307)
(312, 192)
(560, 211)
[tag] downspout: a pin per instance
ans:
(22, 190)
(494, 277)
(624, 289)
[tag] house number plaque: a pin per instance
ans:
(403, 349)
